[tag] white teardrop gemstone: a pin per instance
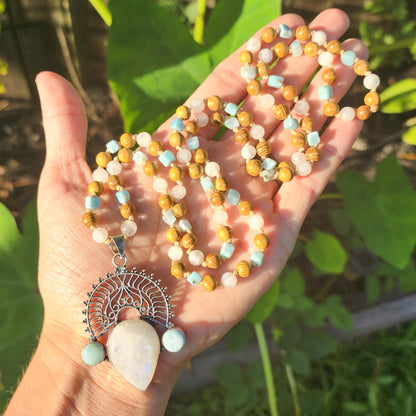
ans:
(133, 348)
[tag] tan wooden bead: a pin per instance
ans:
(127, 140)
(312, 154)
(183, 112)
(307, 124)
(200, 156)
(179, 210)
(361, 67)
(102, 159)
(222, 184)
(191, 127)
(95, 188)
(242, 136)
(334, 46)
(125, 155)
(363, 112)
(176, 139)
(372, 98)
(175, 173)
(173, 235)
(214, 103)
(298, 140)
(281, 111)
(289, 92)
(263, 69)
(253, 167)
(281, 49)
(331, 109)
(268, 34)
(114, 181)
(243, 268)
(127, 210)
(209, 283)
(213, 260)
(155, 148)
(254, 87)
(263, 149)
(224, 233)
(189, 241)
(311, 49)
(285, 164)
(90, 219)
(245, 207)
(245, 57)
(329, 76)
(165, 201)
(261, 241)
(150, 168)
(178, 270)
(303, 33)
(195, 170)
(216, 199)
(245, 118)
(217, 119)
(285, 174)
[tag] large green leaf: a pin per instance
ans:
(399, 97)
(382, 211)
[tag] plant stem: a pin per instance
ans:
(103, 10)
(323, 197)
(293, 389)
(401, 44)
(199, 22)
(267, 368)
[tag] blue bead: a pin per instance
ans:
(206, 183)
(248, 72)
(313, 138)
(92, 202)
(227, 250)
(113, 146)
(232, 123)
(285, 32)
(173, 340)
(325, 92)
(192, 143)
(290, 123)
(269, 163)
(275, 81)
(166, 158)
(177, 124)
(296, 48)
(233, 197)
(268, 175)
(231, 109)
(93, 353)
(123, 196)
(348, 58)
(194, 278)
(257, 258)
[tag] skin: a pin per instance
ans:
(57, 382)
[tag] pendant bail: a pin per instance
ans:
(117, 245)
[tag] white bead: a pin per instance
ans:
(113, 167)
(253, 45)
(255, 222)
(298, 157)
(257, 132)
(178, 192)
(248, 152)
(301, 107)
(319, 37)
(220, 216)
(266, 55)
(139, 156)
(184, 155)
(267, 100)
(175, 253)
(143, 139)
(303, 169)
(371, 82)
(185, 225)
(128, 228)
(196, 257)
(212, 169)
(160, 185)
(100, 175)
(202, 119)
(347, 113)
(325, 58)
(229, 279)
(197, 104)
(100, 235)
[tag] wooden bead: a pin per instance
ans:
(102, 159)
(189, 241)
(209, 283)
(372, 98)
(214, 103)
(254, 167)
(312, 154)
(281, 49)
(217, 119)
(155, 148)
(334, 46)
(311, 49)
(175, 173)
(243, 268)
(289, 92)
(303, 33)
(127, 210)
(245, 207)
(329, 76)
(178, 270)
(127, 140)
(90, 219)
(268, 35)
(200, 156)
(176, 139)
(165, 201)
(261, 241)
(216, 199)
(179, 210)
(225, 233)
(242, 136)
(331, 109)
(245, 57)
(263, 149)
(285, 164)
(150, 168)
(222, 184)
(173, 235)
(361, 67)
(298, 140)
(363, 112)
(183, 112)
(254, 87)
(285, 174)
(307, 124)
(195, 170)
(114, 182)
(245, 118)
(213, 260)
(263, 69)
(95, 188)
(125, 155)
(192, 127)
(281, 111)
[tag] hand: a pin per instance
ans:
(70, 261)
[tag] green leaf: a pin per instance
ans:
(339, 316)
(383, 212)
(407, 278)
(290, 337)
(285, 301)
(372, 288)
(293, 283)
(326, 253)
(399, 97)
(318, 344)
(355, 407)
(340, 221)
(298, 360)
(238, 337)
(409, 136)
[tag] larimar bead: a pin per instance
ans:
(231, 109)
(348, 58)
(123, 196)
(248, 72)
(92, 202)
(93, 353)
(285, 32)
(275, 81)
(166, 158)
(227, 250)
(207, 183)
(257, 258)
(313, 138)
(177, 124)
(113, 146)
(268, 175)
(194, 278)
(139, 156)
(169, 217)
(325, 92)
(296, 48)
(233, 197)
(173, 340)
(192, 143)
(232, 123)
(290, 123)
(185, 226)
(269, 163)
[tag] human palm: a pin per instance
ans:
(70, 261)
